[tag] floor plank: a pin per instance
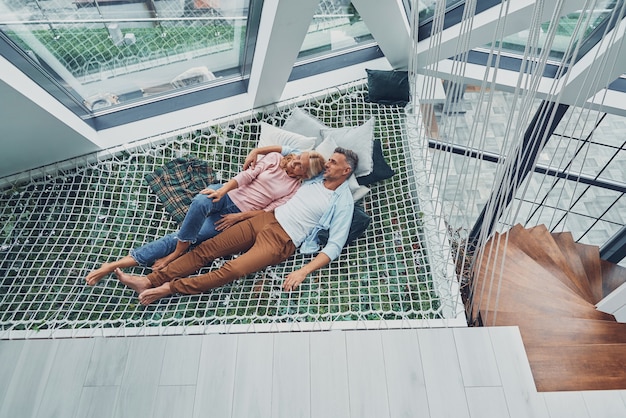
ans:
(329, 375)
(566, 405)
(442, 373)
(180, 363)
(174, 402)
(291, 383)
(472, 344)
(29, 381)
(253, 376)
(66, 379)
(486, 402)
(9, 353)
(216, 376)
(406, 387)
(517, 380)
(108, 362)
(604, 403)
(96, 401)
(138, 390)
(366, 374)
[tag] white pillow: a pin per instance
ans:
(359, 139)
(302, 122)
(271, 135)
(358, 191)
(327, 148)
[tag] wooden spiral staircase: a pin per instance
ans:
(548, 286)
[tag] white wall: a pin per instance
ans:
(36, 129)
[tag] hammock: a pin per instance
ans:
(59, 226)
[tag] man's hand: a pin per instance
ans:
(293, 280)
(226, 221)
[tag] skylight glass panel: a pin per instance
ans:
(109, 53)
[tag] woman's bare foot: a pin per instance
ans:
(96, 275)
(150, 295)
(137, 283)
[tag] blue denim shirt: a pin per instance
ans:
(336, 220)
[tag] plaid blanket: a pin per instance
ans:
(178, 181)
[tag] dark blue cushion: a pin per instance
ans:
(380, 171)
(360, 222)
(388, 87)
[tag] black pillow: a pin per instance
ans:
(388, 87)
(360, 222)
(380, 170)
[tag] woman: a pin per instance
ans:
(262, 186)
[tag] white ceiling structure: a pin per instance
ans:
(37, 130)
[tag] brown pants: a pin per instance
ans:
(262, 238)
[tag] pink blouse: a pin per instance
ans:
(265, 186)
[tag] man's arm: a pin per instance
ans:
(293, 279)
(338, 233)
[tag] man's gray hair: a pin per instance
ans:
(351, 158)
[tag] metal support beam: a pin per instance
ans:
(541, 128)
(614, 250)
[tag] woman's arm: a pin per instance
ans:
(254, 154)
(216, 195)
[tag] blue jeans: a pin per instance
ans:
(198, 226)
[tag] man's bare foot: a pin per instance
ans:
(96, 275)
(150, 295)
(163, 262)
(137, 283)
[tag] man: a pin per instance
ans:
(266, 239)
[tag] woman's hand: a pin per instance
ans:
(216, 195)
(250, 160)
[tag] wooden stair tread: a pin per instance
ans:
(578, 367)
(529, 279)
(540, 330)
(508, 303)
(566, 242)
(613, 276)
(590, 257)
(541, 246)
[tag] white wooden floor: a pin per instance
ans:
(448, 372)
